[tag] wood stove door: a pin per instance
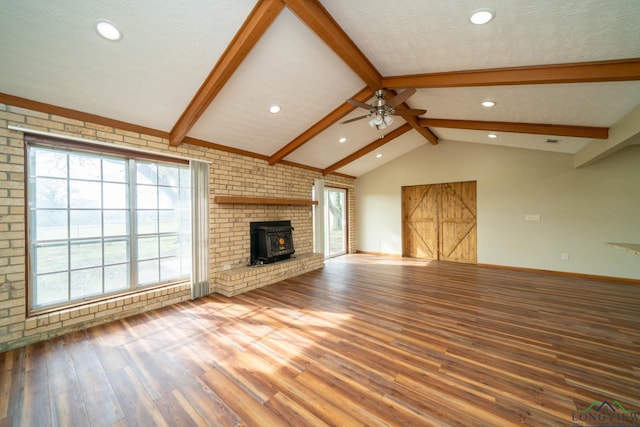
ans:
(280, 242)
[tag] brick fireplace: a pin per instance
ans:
(245, 190)
(236, 269)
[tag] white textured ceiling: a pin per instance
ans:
(422, 36)
(585, 104)
(49, 52)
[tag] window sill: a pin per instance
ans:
(41, 326)
(118, 299)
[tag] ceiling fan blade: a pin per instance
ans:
(359, 104)
(354, 119)
(401, 97)
(409, 112)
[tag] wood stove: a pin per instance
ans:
(271, 241)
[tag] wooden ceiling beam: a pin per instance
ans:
(312, 13)
(29, 104)
(320, 126)
(213, 146)
(414, 122)
(369, 148)
(585, 72)
(258, 21)
(534, 128)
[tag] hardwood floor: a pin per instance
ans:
(365, 341)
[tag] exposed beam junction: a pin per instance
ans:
(261, 17)
(312, 13)
(320, 126)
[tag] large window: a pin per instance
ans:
(101, 224)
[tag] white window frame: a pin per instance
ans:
(131, 158)
(327, 225)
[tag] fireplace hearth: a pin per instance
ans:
(271, 241)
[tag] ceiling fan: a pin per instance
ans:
(381, 110)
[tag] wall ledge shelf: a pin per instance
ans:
(262, 201)
(240, 279)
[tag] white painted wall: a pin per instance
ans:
(581, 209)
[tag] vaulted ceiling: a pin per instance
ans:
(205, 72)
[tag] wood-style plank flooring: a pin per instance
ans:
(365, 341)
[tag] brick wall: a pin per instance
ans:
(231, 174)
(235, 175)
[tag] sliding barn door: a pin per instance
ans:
(419, 227)
(439, 221)
(457, 222)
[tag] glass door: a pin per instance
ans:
(335, 221)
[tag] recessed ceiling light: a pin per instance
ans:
(378, 155)
(108, 30)
(342, 140)
(274, 109)
(492, 136)
(488, 104)
(481, 16)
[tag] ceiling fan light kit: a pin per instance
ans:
(380, 120)
(381, 110)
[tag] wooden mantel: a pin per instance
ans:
(262, 201)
